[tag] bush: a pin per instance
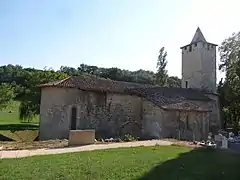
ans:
(128, 138)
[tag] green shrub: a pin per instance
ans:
(129, 137)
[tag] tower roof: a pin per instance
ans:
(198, 36)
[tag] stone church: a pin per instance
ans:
(114, 109)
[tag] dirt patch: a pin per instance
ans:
(50, 144)
(20, 136)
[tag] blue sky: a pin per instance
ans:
(109, 33)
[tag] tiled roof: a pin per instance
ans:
(172, 98)
(167, 98)
(88, 82)
(198, 37)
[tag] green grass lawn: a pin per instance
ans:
(12, 128)
(166, 163)
(10, 115)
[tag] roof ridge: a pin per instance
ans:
(55, 83)
(110, 80)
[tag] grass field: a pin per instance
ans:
(10, 115)
(167, 163)
(12, 128)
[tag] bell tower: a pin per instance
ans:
(199, 64)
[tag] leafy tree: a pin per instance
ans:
(69, 70)
(161, 75)
(143, 77)
(173, 81)
(140, 76)
(6, 95)
(30, 102)
(83, 68)
(230, 89)
(222, 90)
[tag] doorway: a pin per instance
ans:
(74, 118)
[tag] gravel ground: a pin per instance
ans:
(26, 153)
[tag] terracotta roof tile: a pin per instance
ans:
(167, 98)
(172, 98)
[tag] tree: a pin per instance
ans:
(230, 89)
(161, 75)
(140, 76)
(173, 81)
(69, 70)
(222, 90)
(30, 102)
(6, 95)
(83, 68)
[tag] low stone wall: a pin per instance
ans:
(81, 137)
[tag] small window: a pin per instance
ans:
(190, 48)
(208, 47)
(195, 45)
(185, 48)
(203, 45)
(186, 84)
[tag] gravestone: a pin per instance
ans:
(218, 140)
(224, 143)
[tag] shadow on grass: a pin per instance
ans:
(18, 127)
(4, 138)
(206, 164)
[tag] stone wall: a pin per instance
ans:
(214, 106)
(193, 125)
(113, 115)
(188, 125)
(215, 117)
(109, 114)
(55, 112)
(199, 66)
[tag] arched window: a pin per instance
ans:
(74, 118)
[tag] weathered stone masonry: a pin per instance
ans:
(113, 115)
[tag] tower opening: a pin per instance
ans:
(186, 84)
(190, 48)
